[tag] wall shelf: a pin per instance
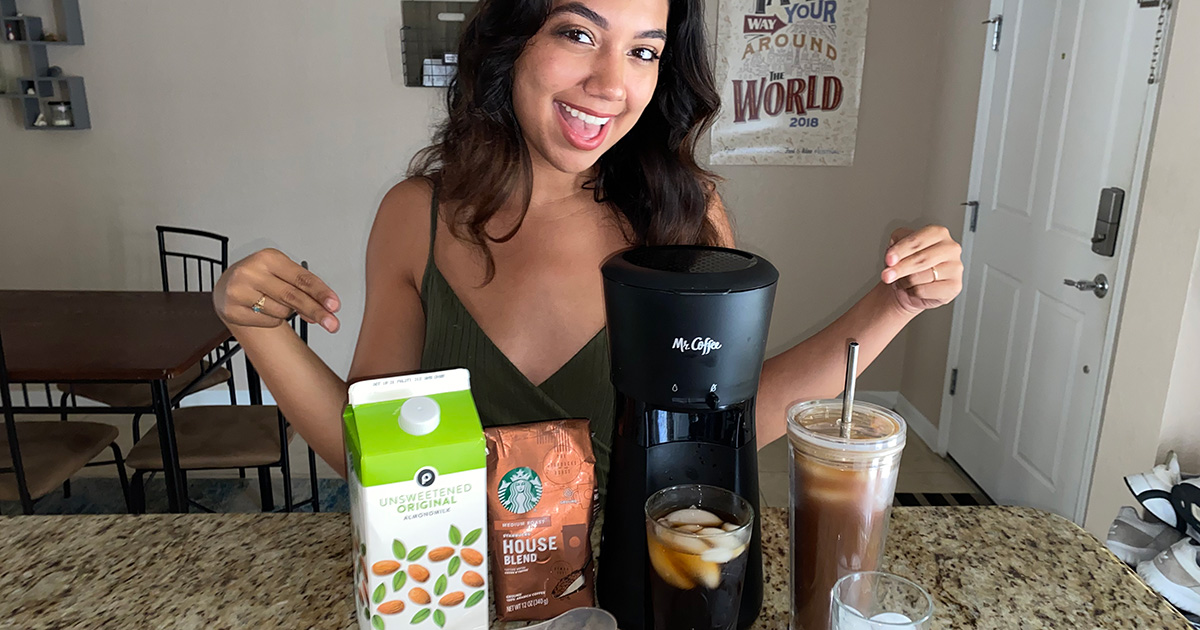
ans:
(47, 82)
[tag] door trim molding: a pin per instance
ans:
(1124, 256)
(1141, 166)
(987, 81)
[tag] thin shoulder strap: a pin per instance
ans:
(430, 268)
(433, 219)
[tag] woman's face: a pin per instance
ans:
(583, 80)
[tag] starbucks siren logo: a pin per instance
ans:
(520, 490)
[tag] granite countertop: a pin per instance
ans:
(987, 567)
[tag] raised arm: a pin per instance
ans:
(816, 367)
(310, 394)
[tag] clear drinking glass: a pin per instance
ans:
(842, 491)
(873, 600)
(697, 537)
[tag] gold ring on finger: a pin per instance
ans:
(262, 301)
(934, 270)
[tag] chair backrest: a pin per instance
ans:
(195, 268)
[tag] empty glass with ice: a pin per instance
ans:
(697, 536)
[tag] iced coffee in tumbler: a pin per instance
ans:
(842, 491)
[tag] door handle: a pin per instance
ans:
(1097, 285)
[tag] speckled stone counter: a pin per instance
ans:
(990, 567)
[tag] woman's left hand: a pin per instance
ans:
(924, 268)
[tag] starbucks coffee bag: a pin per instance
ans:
(542, 501)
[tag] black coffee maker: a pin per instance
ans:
(687, 329)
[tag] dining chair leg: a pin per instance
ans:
(124, 478)
(285, 464)
(138, 492)
(312, 480)
(241, 473)
(137, 427)
(177, 500)
(264, 488)
(63, 417)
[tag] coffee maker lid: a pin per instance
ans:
(690, 269)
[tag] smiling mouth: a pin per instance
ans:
(582, 124)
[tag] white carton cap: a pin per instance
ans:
(419, 416)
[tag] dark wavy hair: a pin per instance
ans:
(650, 177)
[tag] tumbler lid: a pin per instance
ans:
(874, 430)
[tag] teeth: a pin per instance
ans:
(587, 118)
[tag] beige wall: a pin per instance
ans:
(276, 122)
(1161, 271)
(826, 227)
(1181, 414)
(282, 123)
(951, 145)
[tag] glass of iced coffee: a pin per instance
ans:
(697, 537)
(842, 490)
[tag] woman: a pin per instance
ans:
(570, 136)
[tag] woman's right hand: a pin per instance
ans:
(282, 286)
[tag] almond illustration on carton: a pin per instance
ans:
(391, 607)
(452, 599)
(472, 579)
(472, 557)
(418, 573)
(419, 596)
(441, 553)
(385, 567)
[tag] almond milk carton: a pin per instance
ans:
(416, 461)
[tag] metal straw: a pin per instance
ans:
(851, 377)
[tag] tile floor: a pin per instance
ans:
(921, 470)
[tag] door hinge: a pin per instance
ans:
(953, 381)
(974, 206)
(996, 22)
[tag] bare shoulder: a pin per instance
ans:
(720, 220)
(399, 241)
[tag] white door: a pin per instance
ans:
(1060, 117)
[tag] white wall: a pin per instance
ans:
(282, 123)
(1161, 270)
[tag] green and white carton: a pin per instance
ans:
(416, 460)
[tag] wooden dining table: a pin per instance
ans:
(150, 337)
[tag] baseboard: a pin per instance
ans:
(919, 424)
(916, 420)
(881, 398)
(220, 396)
(214, 396)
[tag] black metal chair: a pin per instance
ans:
(183, 269)
(227, 437)
(38, 456)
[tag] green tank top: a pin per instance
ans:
(579, 389)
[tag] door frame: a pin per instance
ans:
(1131, 215)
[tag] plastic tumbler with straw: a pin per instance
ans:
(845, 458)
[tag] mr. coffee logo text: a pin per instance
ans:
(703, 345)
(520, 490)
